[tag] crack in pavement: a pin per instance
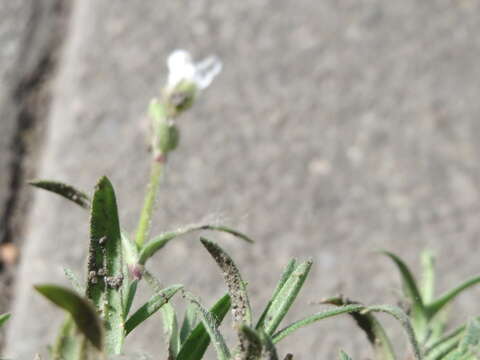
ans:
(30, 98)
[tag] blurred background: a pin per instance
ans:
(336, 128)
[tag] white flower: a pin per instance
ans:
(182, 68)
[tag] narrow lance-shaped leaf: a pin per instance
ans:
(443, 300)
(313, 318)
(84, 314)
(283, 279)
(285, 297)
(105, 266)
(150, 307)
(418, 312)
(129, 295)
(250, 346)
(74, 281)
(67, 191)
(189, 322)
(443, 351)
(195, 345)
(428, 276)
(161, 240)
(371, 326)
(170, 326)
(471, 338)
(404, 320)
(467, 347)
(4, 318)
(445, 344)
(437, 326)
(211, 326)
(236, 287)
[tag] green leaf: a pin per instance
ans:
(418, 312)
(285, 275)
(471, 338)
(443, 300)
(161, 240)
(210, 323)
(69, 345)
(82, 312)
(129, 295)
(468, 345)
(74, 280)
(371, 326)
(130, 251)
(170, 326)
(189, 322)
(428, 276)
(437, 326)
(404, 320)
(313, 318)
(195, 345)
(285, 297)
(105, 266)
(445, 344)
(343, 356)
(151, 307)
(67, 191)
(250, 347)
(3, 319)
(269, 350)
(236, 287)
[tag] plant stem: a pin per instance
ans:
(149, 202)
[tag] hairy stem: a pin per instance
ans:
(149, 202)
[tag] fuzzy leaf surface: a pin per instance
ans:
(195, 345)
(398, 314)
(211, 326)
(283, 279)
(129, 295)
(373, 329)
(82, 312)
(189, 322)
(313, 318)
(158, 242)
(170, 328)
(74, 280)
(418, 311)
(285, 297)
(241, 311)
(64, 190)
(150, 307)
(105, 266)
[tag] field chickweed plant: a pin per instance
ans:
(99, 308)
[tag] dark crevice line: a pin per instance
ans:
(31, 96)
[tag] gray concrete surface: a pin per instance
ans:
(336, 128)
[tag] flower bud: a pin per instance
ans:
(180, 98)
(166, 137)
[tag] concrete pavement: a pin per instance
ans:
(336, 128)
